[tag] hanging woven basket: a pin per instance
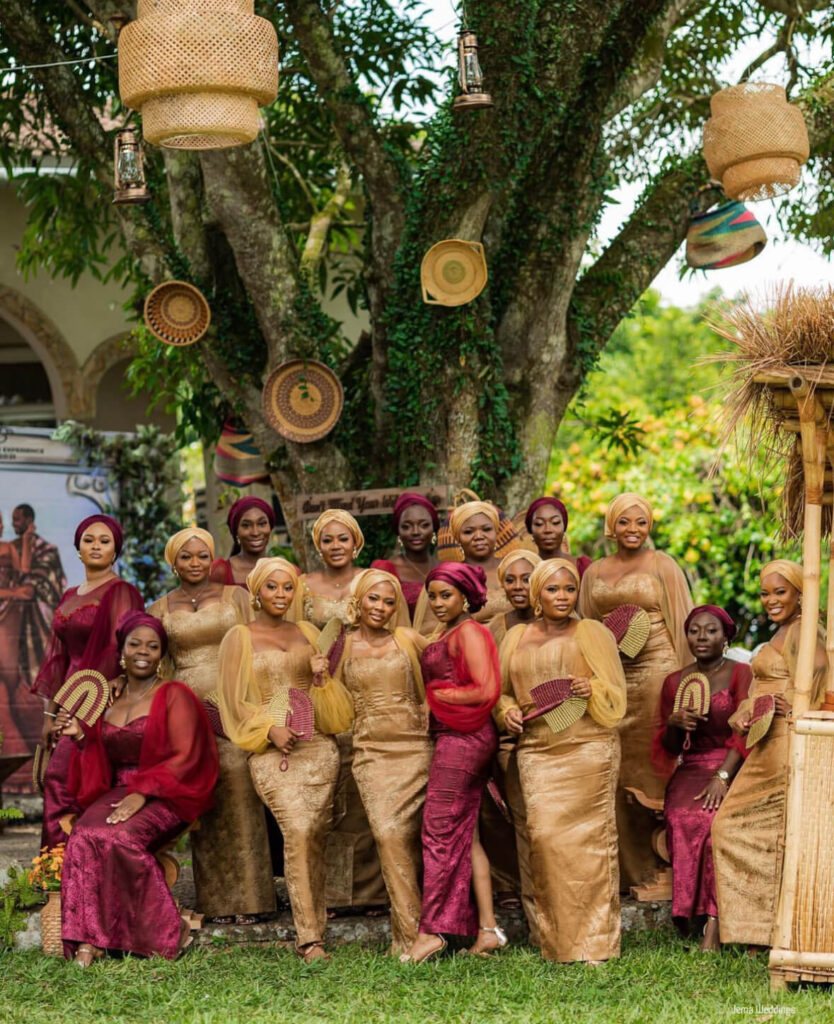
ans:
(198, 71)
(755, 142)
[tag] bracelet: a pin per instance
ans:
(722, 779)
(50, 714)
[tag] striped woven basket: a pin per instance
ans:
(724, 237)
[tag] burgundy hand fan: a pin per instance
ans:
(555, 702)
(692, 694)
(212, 710)
(631, 626)
(85, 695)
(764, 708)
(292, 709)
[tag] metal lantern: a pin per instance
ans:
(128, 169)
(472, 95)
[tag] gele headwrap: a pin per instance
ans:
(365, 581)
(791, 571)
(517, 555)
(338, 515)
(112, 525)
(264, 568)
(409, 498)
(182, 537)
(133, 620)
(470, 580)
(542, 573)
(240, 508)
(540, 503)
(622, 503)
(723, 617)
(458, 516)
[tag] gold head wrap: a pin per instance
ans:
(458, 516)
(175, 543)
(517, 555)
(264, 568)
(542, 573)
(791, 571)
(338, 515)
(621, 504)
(365, 581)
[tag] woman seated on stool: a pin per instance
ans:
(140, 774)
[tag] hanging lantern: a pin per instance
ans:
(472, 95)
(198, 70)
(755, 142)
(128, 169)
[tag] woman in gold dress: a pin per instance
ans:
(748, 831)
(380, 664)
(514, 573)
(295, 779)
(569, 777)
(354, 875)
(232, 866)
(638, 575)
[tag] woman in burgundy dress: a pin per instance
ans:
(546, 520)
(704, 769)
(251, 522)
(416, 523)
(463, 683)
(146, 768)
(83, 637)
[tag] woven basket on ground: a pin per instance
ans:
(51, 926)
(755, 142)
(198, 71)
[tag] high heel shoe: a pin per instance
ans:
(407, 958)
(499, 934)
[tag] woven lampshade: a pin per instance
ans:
(755, 142)
(198, 70)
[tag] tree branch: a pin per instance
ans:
(320, 223)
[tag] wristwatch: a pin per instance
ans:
(724, 775)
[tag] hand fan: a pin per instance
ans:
(631, 626)
(692, 693)
(85, 695)
(331, 641)
(556, 704)
(39, 766)
(764, 708)
(212, 710)
(291, 708)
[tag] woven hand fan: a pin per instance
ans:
(39, 766)
(692, 693)
(291, 708)
(556, 704)
(331, 641)
(631, 626)
(764, 708)
(212, 710)
(84, 695)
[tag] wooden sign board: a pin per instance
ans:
(364, 503)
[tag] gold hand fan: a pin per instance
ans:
(556, 703)
(693, 695)
(631, 626)
(764, 708)
(85, 695)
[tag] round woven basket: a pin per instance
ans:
(177, 313)
(755, 142)
(303, 400)
(51, 926)
(198, 71)
(453, 272)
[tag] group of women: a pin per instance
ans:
(370, 711)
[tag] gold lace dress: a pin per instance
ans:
(232, 865)
(568, 780)
(662, 591)
(300, 798)
(748, 830)
(392, 755)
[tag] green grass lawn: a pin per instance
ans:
(656, 980)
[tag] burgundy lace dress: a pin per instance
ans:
(463, 683)
(83, 636)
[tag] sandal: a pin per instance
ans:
(407, 958)
(87, 954)
(312, 951)
(487, 954)
(186, 938)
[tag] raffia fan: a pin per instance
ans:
(789, 332)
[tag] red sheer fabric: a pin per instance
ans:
(712, 734)
(221, 572)
(84, 634)
(178, 761)
(462, 675)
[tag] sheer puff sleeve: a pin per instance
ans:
(607, 703)
(466, 706)
(244, 719)
(332, 702)
(675, 603)
(506, 651)
(53, 669)
(178, 761)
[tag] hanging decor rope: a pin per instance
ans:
(472, 95)
(198, 71)
(130, 186)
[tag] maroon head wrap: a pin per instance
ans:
(409, 498)
(539, 503)
(111, 524)
(133, 620)
(723, 617)
(237, 511)
(470, 580)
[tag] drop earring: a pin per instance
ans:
(256, 603)
(434, 538)
(122, 662)
(465, 605)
